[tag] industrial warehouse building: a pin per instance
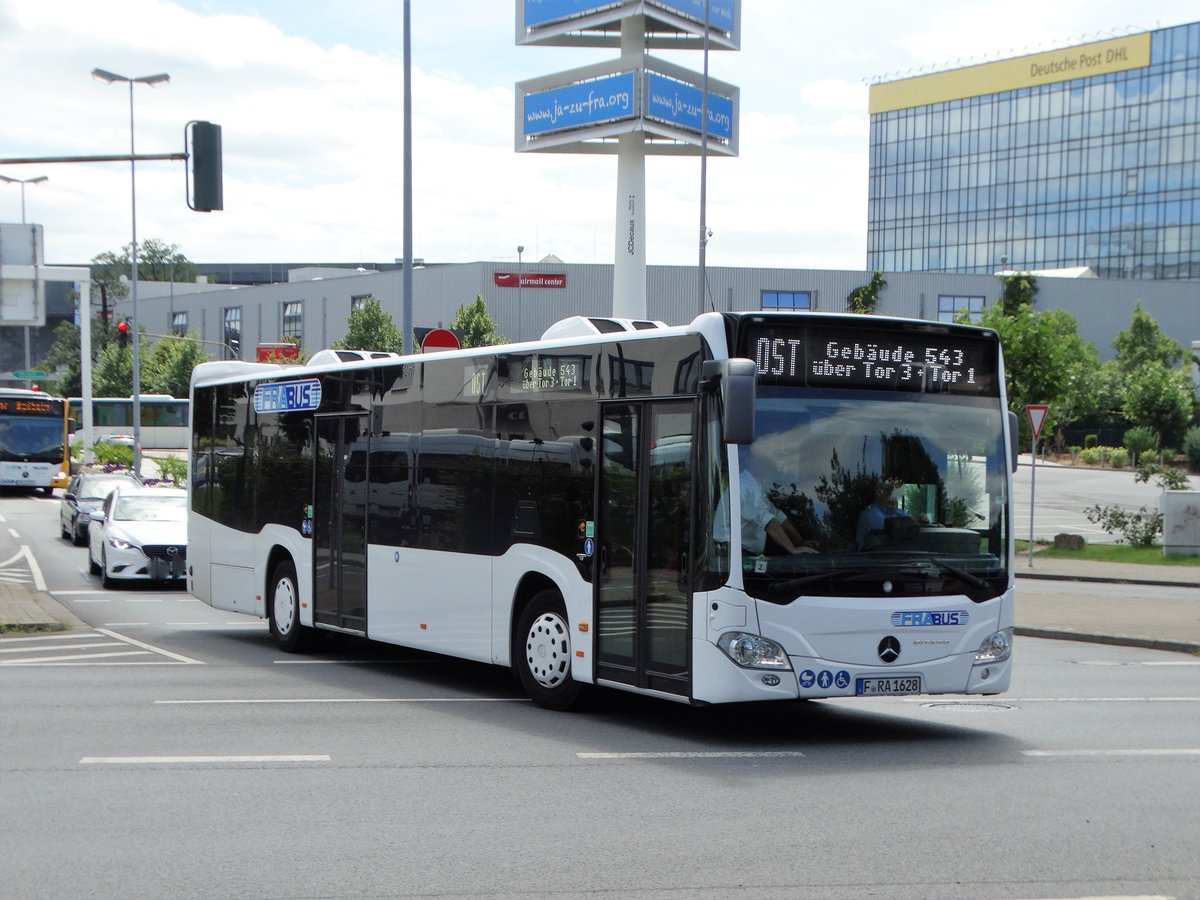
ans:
(314, 304)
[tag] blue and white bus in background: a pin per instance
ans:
(583, 509)
(164, 419)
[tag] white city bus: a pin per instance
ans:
(561, 507)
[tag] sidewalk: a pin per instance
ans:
(1133, 619)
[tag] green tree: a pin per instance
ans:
(1160, 398)
(64, 356)
(160, 261)
(1144, 342)
(371, 328)
(1045, 361)
(1018, 292)
(112, 376)
(169, 367)
(110, 280)
(865, 298)
(476, 325)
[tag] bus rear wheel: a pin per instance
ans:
(543, 653)
(284, 608)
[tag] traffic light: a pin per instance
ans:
(205, 192)
(123, 333)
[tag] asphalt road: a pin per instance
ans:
(170, 750)
(1059, 496)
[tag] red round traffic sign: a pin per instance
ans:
(440, 339)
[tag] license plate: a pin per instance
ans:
(889, 687)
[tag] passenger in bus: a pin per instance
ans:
(765, 527)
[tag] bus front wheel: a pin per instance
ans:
(543, 653)
(285, 608)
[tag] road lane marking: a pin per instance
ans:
(38, 581)
(1160, 751)
(77, 593)
(158, 760)
(697, 754)
(62, 660)
(151, 648)
(347, 662)
(65, 646)
(347, 700)
(1002, 699)
(15, 533)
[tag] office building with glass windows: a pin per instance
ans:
(1085, 156)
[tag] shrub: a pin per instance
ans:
(1191, 448)
(113, 455)
(1091, 440)
(1074, 450)
(1090, 456)
(1105, 453)
(1168, 478)
(1118, 457)
(171, 469)
(1139, 440)
(1140, 529)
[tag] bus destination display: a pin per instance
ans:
(546, 372)
(30, 407)
(882, 359)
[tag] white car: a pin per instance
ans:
(140, 534)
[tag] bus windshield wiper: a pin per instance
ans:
(961, 574)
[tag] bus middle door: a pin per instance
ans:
(643, 597)
(339, 523)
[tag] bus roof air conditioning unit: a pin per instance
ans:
(589, 326)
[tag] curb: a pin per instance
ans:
(1115, 640)
(1109, 579)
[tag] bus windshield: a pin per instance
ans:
(31, 439)
(878, 492)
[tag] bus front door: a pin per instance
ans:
(643, 599)
(339, 523)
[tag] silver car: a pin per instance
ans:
(140, 534)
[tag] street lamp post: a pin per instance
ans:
(22, 182)
(152, 80)
(520, 294)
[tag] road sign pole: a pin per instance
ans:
(1032, 481)
(1037, 417)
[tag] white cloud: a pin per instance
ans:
(310, 101)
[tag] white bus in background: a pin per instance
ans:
(164, 419)
(558, 507)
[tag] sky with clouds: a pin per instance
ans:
(309, 96)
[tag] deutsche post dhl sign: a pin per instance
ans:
(529, 280)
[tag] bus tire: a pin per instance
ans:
(542, 653)
(284, 608)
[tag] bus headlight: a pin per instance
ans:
(753, 651)
(995, 647)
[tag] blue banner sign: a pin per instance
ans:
(575, 105)
(287, 396)
(680, 104)
(720, 12)
(539, 12)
